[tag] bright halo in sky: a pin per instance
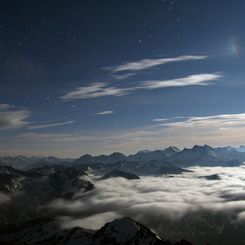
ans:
(234, 47)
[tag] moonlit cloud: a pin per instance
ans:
(101, 113)
(93, 91)
(96, 90)
(224, 121)
(5, 106)
(4, 198)
(149, 63)
(165, 119)
(11, 118)
(157, 201)
(199, 79)
(50, 125)
(159, 119)
(122, 76)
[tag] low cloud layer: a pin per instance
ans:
(152, 200)
(183, 206)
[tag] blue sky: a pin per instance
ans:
(82, 77)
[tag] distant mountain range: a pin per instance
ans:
(122, 231)
(195, 156)
(168, 161)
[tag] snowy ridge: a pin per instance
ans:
(123, 231)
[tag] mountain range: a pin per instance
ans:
(195, 156)
(29, 184)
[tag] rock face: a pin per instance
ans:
(22, 192)
(12, 180)
(156, 167)
(44, 184)
(122, 231)
(69, 180)
(120, 173)
(125, 231)
(211, 177)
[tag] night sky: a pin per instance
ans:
(100, 76)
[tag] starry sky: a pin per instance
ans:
(100, 76)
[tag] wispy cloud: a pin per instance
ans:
(149, 63)
(218, 121)
(93, 91)
(101, 113)
(198, 79)
(165, 119)
(122, 76)
(50, 125)
(96, 90)
(11, 118)
(5, 106)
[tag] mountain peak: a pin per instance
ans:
(117, 154)
(121, 173)
(199, 147)
(125, 225)
(171, 150)
(126, 231)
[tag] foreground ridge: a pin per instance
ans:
(44, 230)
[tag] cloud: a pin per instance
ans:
(122, 76)
(11, 118)
(96, 90)
(4, 198)
(163, 204)
(165, 119)
(5, 106)
(93, 91)
(50, 125)
(104, 113)
(149, 63)
(223, 121)
(199, 79)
